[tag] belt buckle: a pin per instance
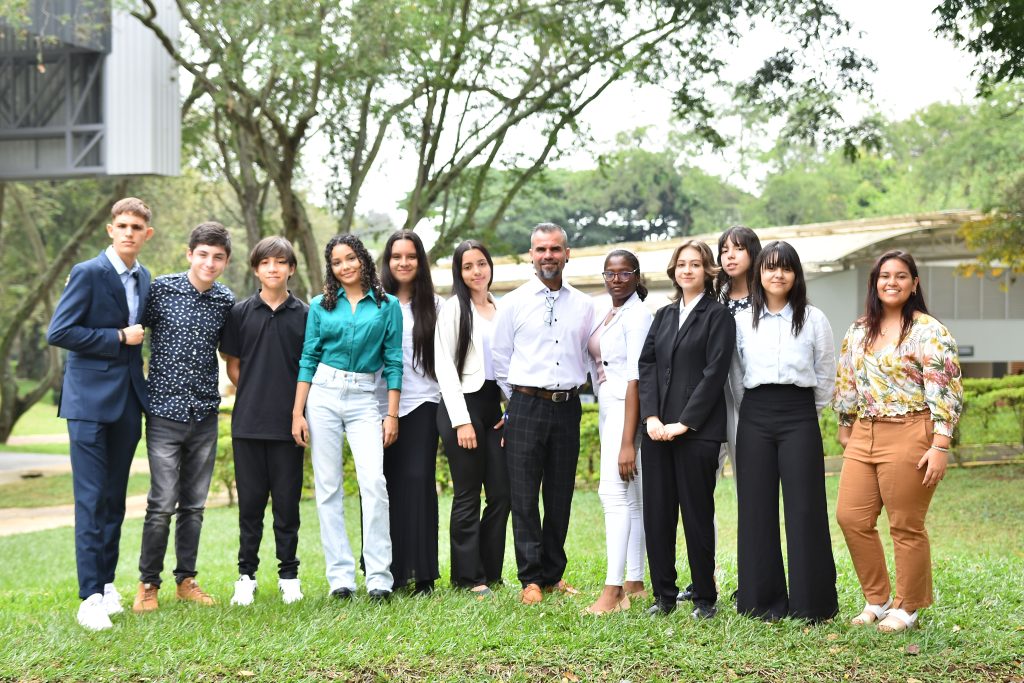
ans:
(560, 396)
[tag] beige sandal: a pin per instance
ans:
(870, 614)
(897, 621)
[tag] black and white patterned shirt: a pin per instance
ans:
(736, 305)
(186, 328)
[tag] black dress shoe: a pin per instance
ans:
(703, 610)
(661, 608)
(342, 593)
(379, 595)
(423, 588)
(687, 594)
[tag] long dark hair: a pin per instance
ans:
(707, 260)
(780, 255)
(368, 274)
(461, 291)
(741, 236)
(634, 262)
(424, 309)
(872, 319)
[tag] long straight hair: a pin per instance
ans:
(873, 305)
(779, 255)
(461, 292)
(741, 236)
(424, 309)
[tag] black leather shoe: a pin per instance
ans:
(687, 594)
(703, 610)
(379, 595)
(342, 593)
(423, 588)
(661, 608)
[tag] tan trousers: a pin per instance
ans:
(880, 469)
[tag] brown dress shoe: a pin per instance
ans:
(531, 595)
(145, 598)
(561, 587)
(190, 591)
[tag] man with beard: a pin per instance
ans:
(539, 354)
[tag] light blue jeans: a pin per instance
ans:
(339, 403)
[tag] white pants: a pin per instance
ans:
(340, 403)
(622, 501)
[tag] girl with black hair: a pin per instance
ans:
(469, 412)
(410, 462)
(615, 346)
(353, 330)
(783, 373)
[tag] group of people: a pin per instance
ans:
(737, 367)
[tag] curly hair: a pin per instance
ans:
(368, 275)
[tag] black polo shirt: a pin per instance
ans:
(268, 344)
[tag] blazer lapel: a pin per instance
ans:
(115, 286)
(690, 320)
(143, 291)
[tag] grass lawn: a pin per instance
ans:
(40, 419)
(974, 632)
(54, 490)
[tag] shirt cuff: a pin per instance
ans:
(943, 428)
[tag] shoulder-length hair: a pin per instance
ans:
(779, 255)
(424, 308)
(707, 260)
(741, 236)
(461, 292)
(873, 305)
(368, 274)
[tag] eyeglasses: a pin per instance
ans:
(621, 276)
(549, 310)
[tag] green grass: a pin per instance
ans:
(58, 448)
(972, 633)
(40, 419)
(54, 490)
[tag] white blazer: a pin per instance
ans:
(446, 339)
(621, 343)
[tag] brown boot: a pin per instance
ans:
(145, 598)
(189, 590)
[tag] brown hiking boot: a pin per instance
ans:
(189, 590)
(145, 598)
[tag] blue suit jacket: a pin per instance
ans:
(100, 370)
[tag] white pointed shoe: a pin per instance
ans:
(245, 591)
(111, 599)
(291, 590)
(92, 615)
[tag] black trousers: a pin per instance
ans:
(268, 469)
(477, 543)
(410, 465)
(679, 476)
(778, 439)
(542, 446)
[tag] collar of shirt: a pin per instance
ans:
(118, 264)
(290, 302)
(786, 313)
(540, 288)
(368, 294)
(179, 282)
(685, 310)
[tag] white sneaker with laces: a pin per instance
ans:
(111, 599)
(92, 615)
(245, 591)
(291, 590)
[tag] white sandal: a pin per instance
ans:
(871, 613)
(897, 621)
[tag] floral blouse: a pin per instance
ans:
(922, 372)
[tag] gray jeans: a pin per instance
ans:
(181, 459)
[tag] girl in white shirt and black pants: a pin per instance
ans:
(783, 375)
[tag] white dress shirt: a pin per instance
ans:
(771, 354)
(417, 388)
(130, 282)
(684, 311)
(537, 344)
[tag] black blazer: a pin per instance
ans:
(683, 370)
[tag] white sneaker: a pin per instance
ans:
(92, 615)
(291, 590)
(245, 591)
(111, 599)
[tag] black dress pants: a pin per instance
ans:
(679, 476)
(542, 445)
(268, 469)
(477, 543)
(778, 439)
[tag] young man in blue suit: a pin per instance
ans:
(104, 395)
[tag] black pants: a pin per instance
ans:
(268, 469)
(778, 439)
(542, 445)
(477, 543)
(410, 465)
(679, 476)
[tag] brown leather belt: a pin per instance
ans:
(553, 396)
(896, 418)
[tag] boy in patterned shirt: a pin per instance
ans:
(186, 313)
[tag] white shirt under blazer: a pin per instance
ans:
(446, 342)
(771, 354)
(528, 352)
(621, 343)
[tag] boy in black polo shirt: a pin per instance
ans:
(262, 343)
